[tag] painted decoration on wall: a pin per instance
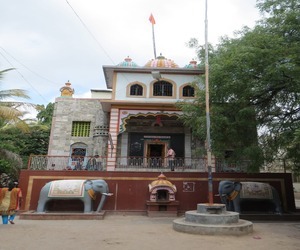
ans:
(127, 114)
(188, 186)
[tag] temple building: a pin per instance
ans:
(132, 123)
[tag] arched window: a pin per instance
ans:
(188, 91)
(136, 89)
(78, 156)
(162, 88)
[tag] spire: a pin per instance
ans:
(67, 91)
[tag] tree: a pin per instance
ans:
(45, 115)
(255, 82)
(11, 115)
(34, 141)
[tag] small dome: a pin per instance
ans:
(128, 63)
(67, 91)
(161, 62)
(192, 65)
(162, 181)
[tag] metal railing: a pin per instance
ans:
(134, 163)
(160, 164)
(47, 162)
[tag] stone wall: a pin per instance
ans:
(70, 109)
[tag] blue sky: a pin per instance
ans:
(48, 43)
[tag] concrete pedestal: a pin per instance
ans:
(33, 215)
(212, 219)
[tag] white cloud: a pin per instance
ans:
(49, 39)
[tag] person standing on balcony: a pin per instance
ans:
(171, 158)
(91, 164)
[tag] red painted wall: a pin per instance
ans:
(131, 192)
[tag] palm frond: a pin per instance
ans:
(4, 94)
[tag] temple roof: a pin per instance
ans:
(127, 63)
(161, 181)
(161, 62)
(192, 65)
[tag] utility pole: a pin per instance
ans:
(208, 143)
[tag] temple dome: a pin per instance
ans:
(128, 63)
(67, 90)
(192, 65)
(161, 62)
(162, 181)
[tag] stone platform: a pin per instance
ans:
(33, 215)
(212, 219)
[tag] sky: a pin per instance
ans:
(51, 42)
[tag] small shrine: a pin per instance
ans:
(162, 200)
(67, 91)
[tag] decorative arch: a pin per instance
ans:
(125, 115)
(163, 88)
(136, 89)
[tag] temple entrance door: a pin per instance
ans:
(155, 153)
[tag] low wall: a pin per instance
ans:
(131, 192)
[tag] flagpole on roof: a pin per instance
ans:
(208, 142)
(152, 21)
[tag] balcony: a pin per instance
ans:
(146, 164)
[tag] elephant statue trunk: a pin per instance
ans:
(102, 201)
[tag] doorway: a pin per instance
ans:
(155, 153)
(155, 150)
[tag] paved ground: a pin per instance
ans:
(130, 232)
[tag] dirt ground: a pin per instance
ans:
(136, 232)
(130, 232)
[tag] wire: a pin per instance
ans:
(98, 43)
(91, 34)
(23, 77)
(27, 67)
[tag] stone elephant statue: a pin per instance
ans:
(234, 193)
(84, 190)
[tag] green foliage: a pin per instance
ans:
(35, 141)
(255, 83)
(44, 115)
(18, 139)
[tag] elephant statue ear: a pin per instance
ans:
(237, 186)
(88, 184)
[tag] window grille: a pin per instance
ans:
(81, 129)
(162, 88)
(188, 91)
(136, 89)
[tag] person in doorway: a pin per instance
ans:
(79, 164)
(171, 158)
(8, 202)
(91, 164)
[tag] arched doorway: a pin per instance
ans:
(78, 153)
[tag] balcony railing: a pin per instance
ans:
(160, 164)
(47, 162)
(78, 163)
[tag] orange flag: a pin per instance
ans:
(151, 19)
